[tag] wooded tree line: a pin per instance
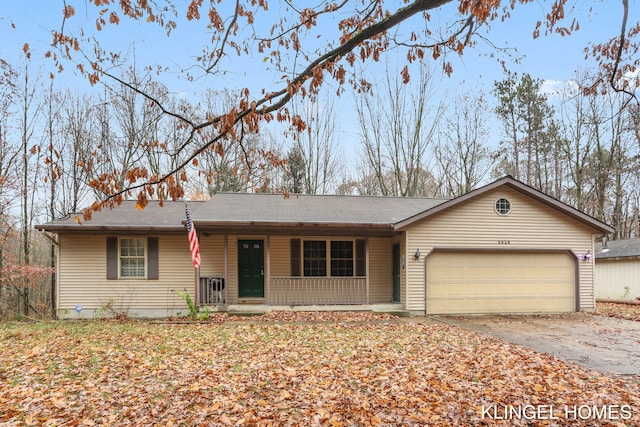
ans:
(581, 149)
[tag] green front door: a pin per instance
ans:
(396, 273)
(251, 268)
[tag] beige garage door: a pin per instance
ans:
(500, 282)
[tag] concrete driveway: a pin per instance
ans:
(602, 343)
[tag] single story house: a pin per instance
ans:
(502, 248)
(618, 269)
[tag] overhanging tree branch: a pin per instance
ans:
(618, 57)
(276, 100)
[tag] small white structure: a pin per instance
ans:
(617, 273)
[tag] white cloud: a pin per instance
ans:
(558, 88)
(631, 79)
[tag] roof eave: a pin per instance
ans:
(285, 224)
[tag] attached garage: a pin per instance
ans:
(501, 281)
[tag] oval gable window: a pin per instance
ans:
(503, 206)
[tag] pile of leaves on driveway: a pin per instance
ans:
(620, 311)
(265, 373)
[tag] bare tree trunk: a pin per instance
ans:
(462, 153)
(316, 145)
(395, 129)
(25, 232)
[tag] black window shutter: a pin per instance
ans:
(295, 258)
(152, 258)
(112, 258)
(361, 257)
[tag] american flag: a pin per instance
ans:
(194, 246)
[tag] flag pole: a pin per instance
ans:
(197, 279)
(194, 248)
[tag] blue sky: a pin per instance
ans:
(551, 58)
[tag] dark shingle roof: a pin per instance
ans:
(127, 217)
(315, 209)
(618, 249)
(238, 209)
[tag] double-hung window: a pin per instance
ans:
(341, 258)
(315, 258)
(132, 259)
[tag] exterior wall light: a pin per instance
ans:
(588, 256)
(417, 254)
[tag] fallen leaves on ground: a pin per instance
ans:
(619, 311)
(251, 373)
(294, 316)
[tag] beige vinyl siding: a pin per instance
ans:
(232, 283)
(279, 259)
(280, 255)
(211, 255)
(475, 225)
(380, 270)
(82, 277)
(618, 278)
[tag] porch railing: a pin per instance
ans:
(317, 290)
(212, 291)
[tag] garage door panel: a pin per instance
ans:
(500, 282)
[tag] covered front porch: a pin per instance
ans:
(338, 272)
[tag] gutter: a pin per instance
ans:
(108, 229)
(206, 223)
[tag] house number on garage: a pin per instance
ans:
(504, 242)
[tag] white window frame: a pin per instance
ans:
(143, 257)
(499, 200)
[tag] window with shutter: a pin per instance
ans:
(153, 266)
(112, 258)
(132, 258)
(361, 258)
(295, 258)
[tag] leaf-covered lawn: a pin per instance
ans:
(327, 373)
(620, 311)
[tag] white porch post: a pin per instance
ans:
(366, 262)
